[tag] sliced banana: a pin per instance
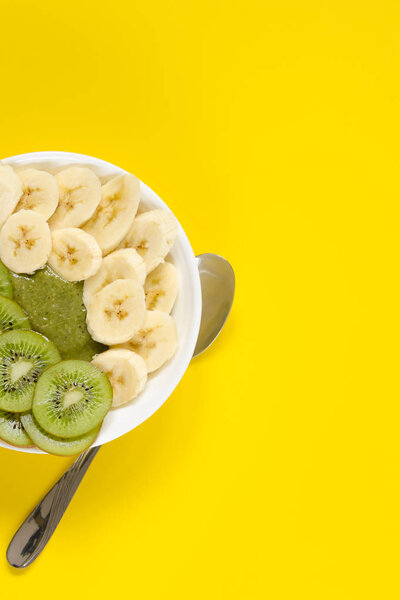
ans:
(126, 372)
(117, 312)
(161, 287)
(75, 255)
(25, 242)
(10, 192)
(156, 341)
(80, 192)
(39, 192)
(120, 264)
(114, 216)
(152, 234)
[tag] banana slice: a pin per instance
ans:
(156, 341)
(114, 216)
(39, 192)
(126, 372)
(120, 264)
(75, 255)
(10, 192)
(80, 192)
(25, 242)
(161, 287)
(117, 312)
(152, 234)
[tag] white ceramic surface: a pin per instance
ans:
(187, 310)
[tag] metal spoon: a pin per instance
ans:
(217, 288)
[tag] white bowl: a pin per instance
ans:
(187, 310)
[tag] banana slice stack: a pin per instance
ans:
(89, 232)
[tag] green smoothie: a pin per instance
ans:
(56, 310)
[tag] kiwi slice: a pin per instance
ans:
(24, 355)
(12, 316)
(54, 445)
(71, 398)
(6, 288)
(12, 430)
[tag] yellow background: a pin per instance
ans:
(272, 130)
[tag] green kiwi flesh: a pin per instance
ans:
(54, 445)
(12, 430)
(12, 316)
(71, 398)
(24, 355)
(6, 288)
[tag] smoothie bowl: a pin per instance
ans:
(100, 302)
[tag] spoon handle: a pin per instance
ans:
(38, 527)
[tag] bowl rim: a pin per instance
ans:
(191, 339)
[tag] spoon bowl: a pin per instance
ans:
(217, 290)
